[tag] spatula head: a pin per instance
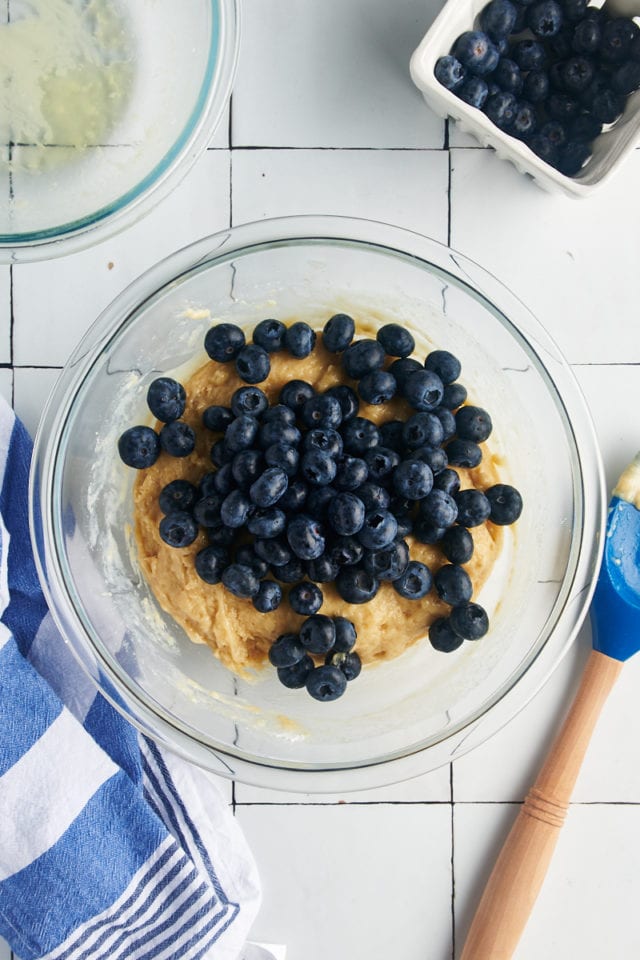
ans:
(615, 610)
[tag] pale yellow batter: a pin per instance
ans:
(233, 628)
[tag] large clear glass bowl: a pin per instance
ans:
(105, 105)
(398, 718)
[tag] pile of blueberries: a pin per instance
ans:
(306, 492)
(552, 73)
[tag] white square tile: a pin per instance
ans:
(573, 262)
(332, 74)
(431, 787)
(220, 136)
(56, 301)
(587, 907)
(6, 384)
(407, 188)
(32, 387)
(351, 882)
(5, 314)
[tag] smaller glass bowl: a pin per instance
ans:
(106, 106)
(398, 718)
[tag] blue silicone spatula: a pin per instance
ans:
(521, 867)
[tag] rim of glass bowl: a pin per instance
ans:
(589, 496)
(164, 177)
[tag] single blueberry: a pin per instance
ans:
(469, 621)
(305, 598)
(166, 399)
(347, 398)
(415, 582)
(355, 585)
(305, 537)
(269, 487)
(220, 454)
(444, 364)
(574, 9)
(269, 334)
(576, 74)
(464, 453)
(318, 634)
(275, 432)
(246, 466)
(423, 390)
(506, 503)
(236, 509)
(498, 18)
(454, 395)
(346, 551)
(345, 513)
(453, 584)
(560, 106)
(545, 18)
(449, 72)
(291, 572)
(362, 357)
(457, 545)
(295, 676)
(178, 495)
(556, 132)
(447, 421)
(224, 342)
(294, 497)
(586, 36)
(178, 529)
(322, 570)
(501, 109)
(473, 423)
(377, 387)
(338, 332)
(346, 635)
(373, 496)
(241, 434)
(381, 462)
(400, 369)
(207, 509)
(379, 530)
(280, 415)
(322, 411)
(473, 507)
(387, 564)
(253, 364)
(535, 88)
(396, 340)
(286, 651)
(318, 500)
(440, 508)
(349, 663)
(283, 455)
(525, 120)
(434, 457)
(607, 106)
(246, 555)
(508, 76)
(413, 479)
(442, 636)
(360, 435)
(220, 535)
(275, 551)
(268, 597)
(328, 440)
(584, 129)
(217, 418)
(267, 523)
(210, 562)
(476, 52)
(474, 91)
(544, 148)
(326, 682)
(318, 467)
(422, 430)
(617, 37)
(177, 438)
(426, 531)
(572, 158)
(529, 54)
(300, 339)
(295, 394)
(249, 400)
(447, 480)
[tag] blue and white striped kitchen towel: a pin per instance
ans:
(109, 847)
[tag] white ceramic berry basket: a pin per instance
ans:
(399, 718)
(609, 150)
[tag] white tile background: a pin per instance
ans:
(324, 119)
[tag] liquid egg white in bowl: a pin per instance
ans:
(400, 717)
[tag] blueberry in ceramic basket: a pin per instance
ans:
(442, 636)
(574, 9)
(525, 120)
(178, 529)
(305, 598)
(545, 18)
(572, 158)
(253, 364)
(415, 582)
(166, 399)
(501, 109)
(508, 76)
(326, 682)
(529, 54)
(586, 37)
(224, 341)
(450, 73)
(556, 132)
(476, 52)
(626, 78)
(607, 106)
(544, 148)
(498, 18)
(584, 129)
(576, 74)
(396, 341)
(269, 334)
(535, 88)
(474, 91)
(300, 340)
(617, 37)
(561, 106)
(139, 447)
(177, 438)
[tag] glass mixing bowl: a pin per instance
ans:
(104, 105)
(399, 718)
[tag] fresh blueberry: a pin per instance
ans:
(349, 663)
(501, 109)
(572, 158)
(450, 72)
(508, 76)
(269, 487)
(447, 421)
(305, 598)
(379, 530)
(576, 74)
(347, 398)
(362, 357)
(346, 513)
(444, 364)
(338, 332)
(454, 395)
(178, 529)
(469, 621)
(253, 364)
(457, 545)
(351, 473)
(415, 582)
(220, 535)
(246, 555)
(560, 106)
(396, 340)
(535, 88)
(377, 387)
(529, 54)
(544, 148)
(476, 52)
(447, 480)
(440, 508)
(318, 500)
(355, 585)
(498, 18)
(423, 390)
(318, 634)
(442, 636)
(246, 466)
(275, 551)
(267, 523)
(210, 563)
(219, 454)
(346, 551)
(360, 435)
(584, 129)
(305, 537)
(280, 415)
(295, 676)
(300, 339)
(274, 432)
(381, 462)
(574, 9)
(545, 18)
(345, 635)
(269, 334)
(322, 411)
(434, 457)
(474, 91)
(525, 120)
(387, 564)
(617, 37)
(236, 509)
(166, 399)
(286, 651)
(322, 570)
(326, 682)
(473, 507)
(413, 479)
(453, 584)
(422, 430)
(268, 597)
(626, 78)
(284, 456)
(295, 394)
(207, 509)
(224, 342)
(291, 572)
(327, 440)
(586, 36)
(400, 369)
(251, 401)
(506, 503)
(295, 496)
(607, 106)
(318, 467)
(556, 132)
(391, 434)
(473, 423)
(373, 496)
(178, 495)
(521, 17)
(426, 531)
(177, 438)
(210, 482)
(217, 418)
(240, 434)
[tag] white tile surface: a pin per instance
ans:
(347, 882)
(58, 300)
(32, 386)
(6, 384)
(332, 75)
(5, 315)
(408, 188)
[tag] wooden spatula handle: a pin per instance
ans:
(522, 864)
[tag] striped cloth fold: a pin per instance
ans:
(109, 846)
